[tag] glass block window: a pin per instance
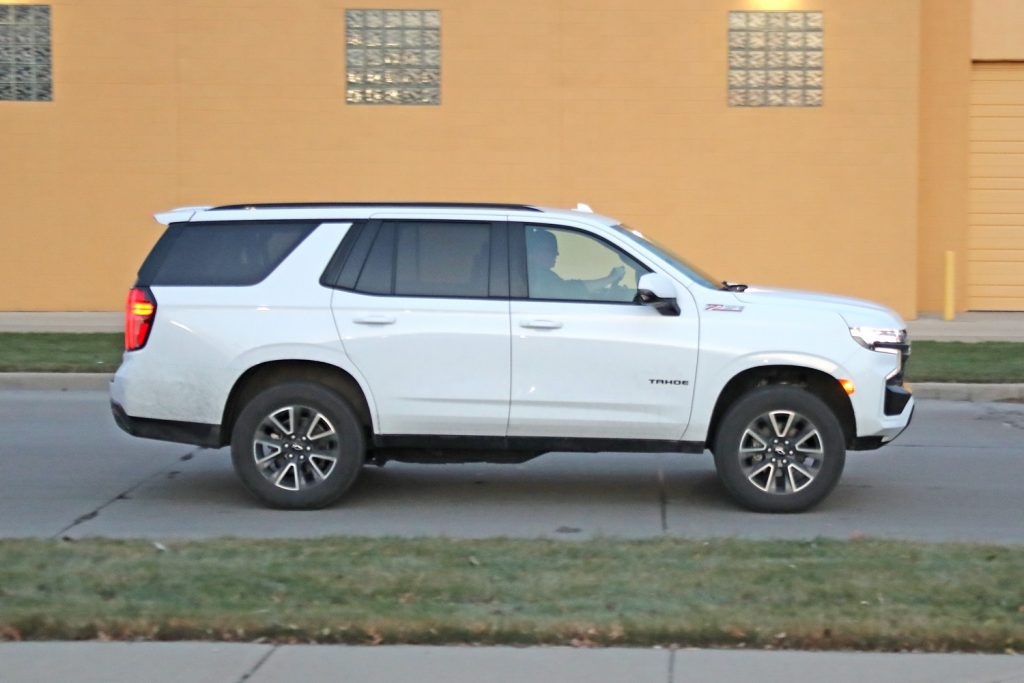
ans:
(775, 59)
(392, 56)
(25, 62)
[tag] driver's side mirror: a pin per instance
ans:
(655, 289)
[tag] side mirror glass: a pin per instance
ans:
(655, 289)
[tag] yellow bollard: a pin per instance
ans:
(950, 308)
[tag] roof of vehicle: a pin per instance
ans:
(364, 210)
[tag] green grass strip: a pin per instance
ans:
(931, 361)
(934, 361)
(863, 594)
(60, 352)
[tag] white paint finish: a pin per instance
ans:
(866, 313)
(181, 214)
(442, 366)
(470, 366)
(801, 329)
(591, 376)
(205, 338)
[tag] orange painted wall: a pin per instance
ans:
(996, 30)
(944, 150)
(615, 103)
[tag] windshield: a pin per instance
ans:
(694, 273)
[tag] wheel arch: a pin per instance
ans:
(271, 373)
(820, 383)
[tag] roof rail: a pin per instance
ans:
(331, 205)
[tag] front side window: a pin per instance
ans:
(568, 265)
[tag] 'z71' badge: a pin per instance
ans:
(723, 307)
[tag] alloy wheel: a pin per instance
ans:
(781, 452)
(296, 447)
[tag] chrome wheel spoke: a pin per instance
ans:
(763, 477)
(281, 479)
(798, 478)
(751, 442)
(289, 414)
(319, 428)
(266, 450)
(781, 421)
(809, 441)
(321, 465)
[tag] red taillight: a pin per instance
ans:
(138, 318)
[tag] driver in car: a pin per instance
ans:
(545, 283)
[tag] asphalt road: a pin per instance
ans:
(68, 471)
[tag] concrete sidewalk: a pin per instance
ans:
(969, 327)
(62, 322)
(83, 662)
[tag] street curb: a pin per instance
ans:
(55, 381)
(88, 381)
(951, 391)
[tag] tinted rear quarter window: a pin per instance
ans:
(377, 274)
(220, 254)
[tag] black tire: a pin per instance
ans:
(770, 463)
(297, 446)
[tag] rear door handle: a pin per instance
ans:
(541, 324)
(375, 320)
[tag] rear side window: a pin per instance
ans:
(211, 254)
(429, 258)
(443, 259)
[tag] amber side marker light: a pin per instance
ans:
(847, 385)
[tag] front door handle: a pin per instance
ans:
(541, 324)
(375, 320)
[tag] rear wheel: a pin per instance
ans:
(779, 449)
(297, 446)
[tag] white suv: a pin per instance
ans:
(315, 337)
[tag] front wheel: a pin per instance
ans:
(779, 448)
(297, 446)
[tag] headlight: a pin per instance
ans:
(879, 338)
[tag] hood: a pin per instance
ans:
(854, 311)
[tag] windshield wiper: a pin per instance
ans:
(733, 286)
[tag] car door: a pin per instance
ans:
(587, 360)
(422, 310)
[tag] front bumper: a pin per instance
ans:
(897, 397)
(899, 413)
(882, 404)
